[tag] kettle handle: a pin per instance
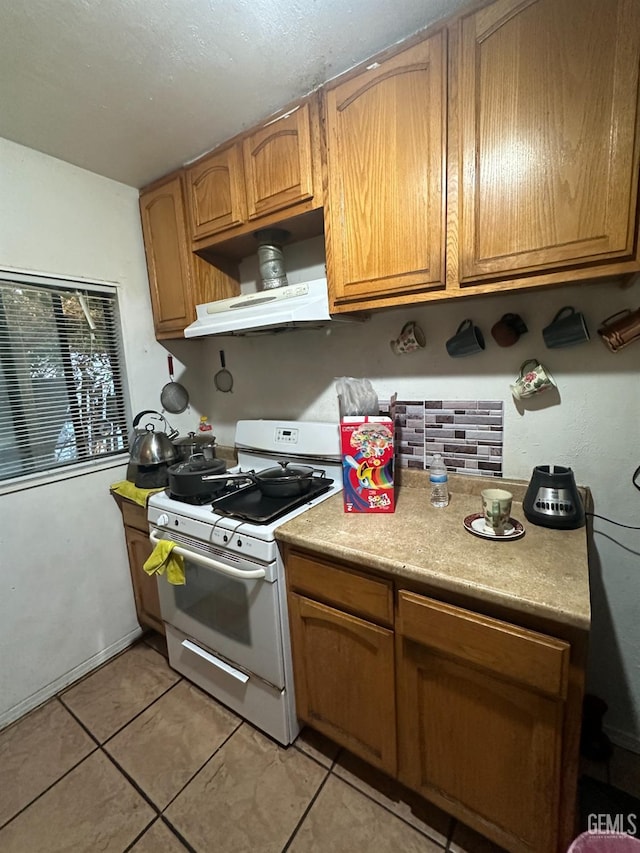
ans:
(169, 430)
(136, 420)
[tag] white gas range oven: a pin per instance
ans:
(227, 627)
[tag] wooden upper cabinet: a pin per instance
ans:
(216, 192)
(258, 179)
(168, 252)
(384, 209)
(549, 136)
(178, 279)
(279, 163)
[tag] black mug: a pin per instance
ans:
(567, 329)
(468, 340)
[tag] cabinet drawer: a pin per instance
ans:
(134, 515)
(515, 654)
(369, 597)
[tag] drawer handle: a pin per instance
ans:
(215, 661)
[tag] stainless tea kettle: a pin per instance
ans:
(148, 447)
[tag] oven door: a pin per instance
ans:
(219, 607)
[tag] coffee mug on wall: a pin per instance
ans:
(532, 379)
(410, 339)
(507, 331)
(567, 329)
(621, 329)
(496, 507)
(468, 340)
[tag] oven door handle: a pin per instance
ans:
(208, 563)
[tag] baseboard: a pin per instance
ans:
(623, 739)
(54, 687)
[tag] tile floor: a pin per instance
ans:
(135, 758)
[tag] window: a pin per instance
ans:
(61, 375)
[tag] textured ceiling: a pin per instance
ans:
(132, 89)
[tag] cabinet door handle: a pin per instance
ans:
(230, 670)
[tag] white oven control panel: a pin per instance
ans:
(286, 435)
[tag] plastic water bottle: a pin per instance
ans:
(439, 481)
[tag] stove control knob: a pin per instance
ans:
(225, 538)
(163, 520)
(239, 543)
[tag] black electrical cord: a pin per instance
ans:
(619, 523)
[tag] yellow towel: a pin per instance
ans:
(162, 558)
(127, 489)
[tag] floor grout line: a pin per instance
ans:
(390, 811)
(204, 763)
(177, 834)
(110, 737)
(306, 812)
(140, 834)
(52, 785)
(146, 797)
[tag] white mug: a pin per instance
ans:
(532, 379)
(410, 339)
(496, 506)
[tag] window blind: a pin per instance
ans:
(61, 376)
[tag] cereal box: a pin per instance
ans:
(367, 463)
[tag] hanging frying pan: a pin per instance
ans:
(174, 396)
(223, 380)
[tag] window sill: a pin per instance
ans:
(81, 469)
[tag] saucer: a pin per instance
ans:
(475, 524)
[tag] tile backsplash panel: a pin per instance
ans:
(467, 433)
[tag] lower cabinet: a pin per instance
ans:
(470, 711)
(139, 548)
(343, 656)
(480, 716)
(348, 692)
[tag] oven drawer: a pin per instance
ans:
(253, 699)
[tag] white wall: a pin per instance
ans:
(66, 600)
(591, 425)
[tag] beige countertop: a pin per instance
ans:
(544, 573)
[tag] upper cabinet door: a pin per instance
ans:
(549, 142)
(384, 215)
(216, 193)
(278, 163)
(168, 257)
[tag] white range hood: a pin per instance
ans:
(280, 308)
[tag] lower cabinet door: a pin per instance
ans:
(344, 679)
(145, 587)
(480, 728)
